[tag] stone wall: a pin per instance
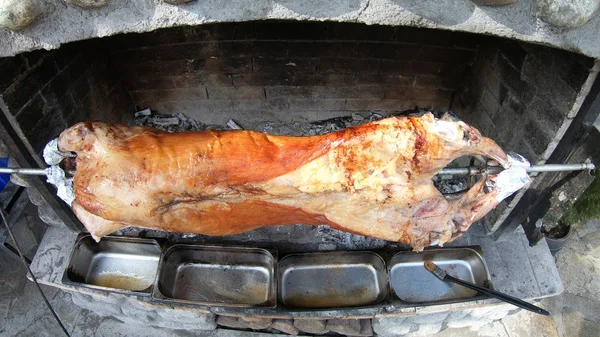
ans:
(258, 71)
(41, 93)
(522, 20)
(424, 322)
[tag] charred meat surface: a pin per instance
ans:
(374, 179)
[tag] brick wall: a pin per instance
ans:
(41, 93)
(286, 70)
(521, 94)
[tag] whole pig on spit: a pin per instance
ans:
(374, 179)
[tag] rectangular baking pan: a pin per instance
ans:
(219, 276)
(332, 280)
(414, 284)
(121, 264)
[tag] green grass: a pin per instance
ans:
(587, 206)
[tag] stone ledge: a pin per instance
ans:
(510, 263)
(60, 24)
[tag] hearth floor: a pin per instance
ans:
(576, 312)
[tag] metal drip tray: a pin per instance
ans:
(412, 283)
(115, 263)
(332, 280)
(224, 276)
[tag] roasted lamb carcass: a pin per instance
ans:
(373, 180)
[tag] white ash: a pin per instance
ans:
(178, 122)
(345, 240)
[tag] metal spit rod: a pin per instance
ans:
(25, 171)
(447, 171)
(533, 169)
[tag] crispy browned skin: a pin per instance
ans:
(373, 179)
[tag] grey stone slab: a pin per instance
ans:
(391, 326)
(86, 324)
(53, 255)
(544, 268)
(235, 333)
(285, 326)
(313, 326)
(60, 24)
(525, 323)
(344, 326)
(509, 267)
(111, 327)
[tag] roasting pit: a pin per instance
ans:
(300, 78)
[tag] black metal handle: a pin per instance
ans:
(506, 298)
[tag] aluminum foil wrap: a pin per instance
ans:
(513, 178)
(55, 175)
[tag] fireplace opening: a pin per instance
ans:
(290, 74)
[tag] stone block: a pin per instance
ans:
(230, 322)
(494, 2)
(323, 79)
(11, 68)
(428, 318)
(275, 30)
(567, 14)
(410, 68)
(313, 326)
(321, 49)
(438, 82)
(18, 14)
(384, 79)
(279, 65)
(168, 95)
(200, 79)
(428, 329)
(285, 326)
(418, 94)
(183, 319)
(31, 113)
(87, 3)
(255, 323)
(487, 311)
(398, 51)
(366, 328)
(444, 55)
(349, 31)
(236, 92)
(254, 48)
(344, 326)
(468, 322)
(188, 51)
(263, 79)
(346, 65)
(390, 326)
(19, 94)
(454, 315)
